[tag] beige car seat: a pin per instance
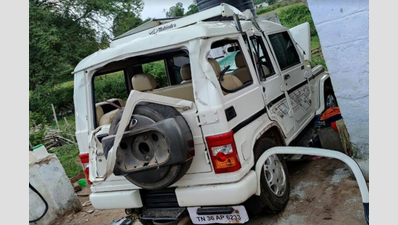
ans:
(146, 82)
(143, 82)
(185, 72)
(229, 82)
(243, 73)
(106, 112)
(265, 68)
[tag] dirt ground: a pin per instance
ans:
(322, 192)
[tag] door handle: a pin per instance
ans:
(286, 76)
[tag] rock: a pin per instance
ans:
(90, 211)
(77, 188)
(87, 203)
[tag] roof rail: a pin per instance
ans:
(223, 11)
(145, 26)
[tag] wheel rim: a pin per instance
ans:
(330, 101)
(275, 175)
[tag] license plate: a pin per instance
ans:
(238, 215)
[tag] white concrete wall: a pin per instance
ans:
(343, 29)
(49, 178)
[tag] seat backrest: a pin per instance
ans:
(185, 72)
(143, 82)
(266, 71)
(229, 82)
(108, 117)
(181, 91)
(243, 73)
(100, 112)
(103, 108)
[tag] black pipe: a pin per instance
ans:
(366, 211)
(46, 209)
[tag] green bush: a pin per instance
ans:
(110, 86)
(263, 10)
(68, 156)
(36, 137)
(296, 15)
(43, 96)
(157, 70)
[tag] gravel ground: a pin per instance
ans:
(322, 192)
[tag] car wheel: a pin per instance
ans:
(274, 182)
(330, 98)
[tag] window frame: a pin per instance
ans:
(127, 73)
(98, 73)
(266, 53)
(238, 41)
(300, 60)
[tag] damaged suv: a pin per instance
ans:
(200, 135)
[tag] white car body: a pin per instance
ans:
(286, 106)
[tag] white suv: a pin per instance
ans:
(195, 138)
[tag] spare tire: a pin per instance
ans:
(161, 177)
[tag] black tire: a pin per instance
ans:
(267, 202)
(329, 91)
(165, 176)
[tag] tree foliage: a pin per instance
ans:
(297, 15)
(56, 44)
(63, 32)
(91, 13)
(125, 21)
(270, 2)
(175, 11)
(193, 8)
(256, 2)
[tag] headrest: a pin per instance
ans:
(215, 65)
(240, 60)
(185, 72)
(143, 82)
(100, 112)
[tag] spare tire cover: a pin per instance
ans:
(161, 177)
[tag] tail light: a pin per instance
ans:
(223, 153)
(84, 159)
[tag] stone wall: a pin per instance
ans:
(343, 29)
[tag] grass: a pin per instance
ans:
(68, 156)
(315, 43)
(66, 84)
(278, 10)
(294, 14)
(62, 125)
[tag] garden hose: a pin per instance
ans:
(46, 209)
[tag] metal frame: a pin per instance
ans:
(223, 10)
(134, 98)
(319, 152)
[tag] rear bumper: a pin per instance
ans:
(218, 194)
(206, 195)
(116, 200)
